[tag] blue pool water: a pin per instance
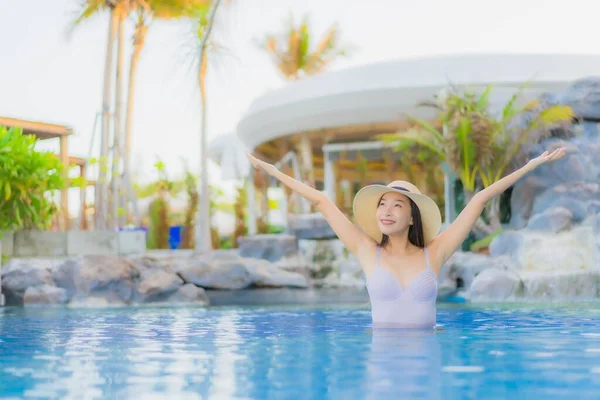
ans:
(299, 353)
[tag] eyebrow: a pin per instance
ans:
(400, 200)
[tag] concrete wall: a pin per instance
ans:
(72, 243)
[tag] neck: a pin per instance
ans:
(400, 244)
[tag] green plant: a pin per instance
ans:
(158, 231)
(27, 179)
(477, 144)
(292, 53)
(187, 235)
(241, 203)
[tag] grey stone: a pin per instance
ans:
(108, 277)
(131, 242)
(551, 220)
(583, 96)
(311, 226)
(92, 243)
(40, 244)
(157, 286)
(458, 273)
(495, 284)
(561, 285)
(20, 274)
(189, 294)
(265, 274)
(269, 247)
(509, 243)
(218, 275)
(7, 239)
(44, 295)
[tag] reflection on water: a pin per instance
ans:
(298, 353)
(405, 359)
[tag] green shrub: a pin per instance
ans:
(27, 179)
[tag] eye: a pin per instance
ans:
(398, 205)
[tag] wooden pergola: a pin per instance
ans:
(45, 131)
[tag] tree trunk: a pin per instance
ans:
(118, 131)
(101, 200)
(203, 233)
(494, 213)
(481, 228)
(139, 38)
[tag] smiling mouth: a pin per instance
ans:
(387, 221)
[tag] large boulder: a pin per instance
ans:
(188, 294)
(266, 274)
(157, 286)
(459, 272)
(218, 274)
(561, 285)
(269, 247)
(311, 226)
(496, 284)
(106, 279)
(583, 96)
(44, 295)
(20, 274)
(555, 219)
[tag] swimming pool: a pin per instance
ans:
(516, 351)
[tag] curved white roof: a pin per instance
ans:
(381, 92)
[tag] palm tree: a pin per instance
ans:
(479, 146)
(205, 22)
(292, 53)
(90, 8)
(146, 11)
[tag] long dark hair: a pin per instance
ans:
(415, 231)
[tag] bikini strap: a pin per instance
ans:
(378, 256)
(427, 257)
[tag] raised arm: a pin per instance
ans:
(352, 237)
(446, 243)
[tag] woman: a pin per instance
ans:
(397, 241)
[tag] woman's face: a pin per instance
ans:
(394, 213)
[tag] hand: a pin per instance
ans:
(260, 164)
(547, 157)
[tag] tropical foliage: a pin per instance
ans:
(27, 180)
(480, 146)
(292, 50)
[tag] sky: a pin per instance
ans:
(48, 75)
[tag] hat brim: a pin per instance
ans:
(367, 200)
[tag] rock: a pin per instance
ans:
(507, 243)
(218, 275)
(349, 265)
(265, 274)
(552, 220)
(20, 274)
(343, 280)
(268, 247)
(224, 255)
(322, 254)
(458, 273)
(495, 284)
(583, 96)
(157, 286)
(297, 263)
(596, 239)
(575, 196)
(521, 199)
(188, 294)
(311, 226)
(147, 265)
(108, 277)
(44, 294)
(561, 285)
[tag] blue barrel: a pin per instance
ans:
(175, 236)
